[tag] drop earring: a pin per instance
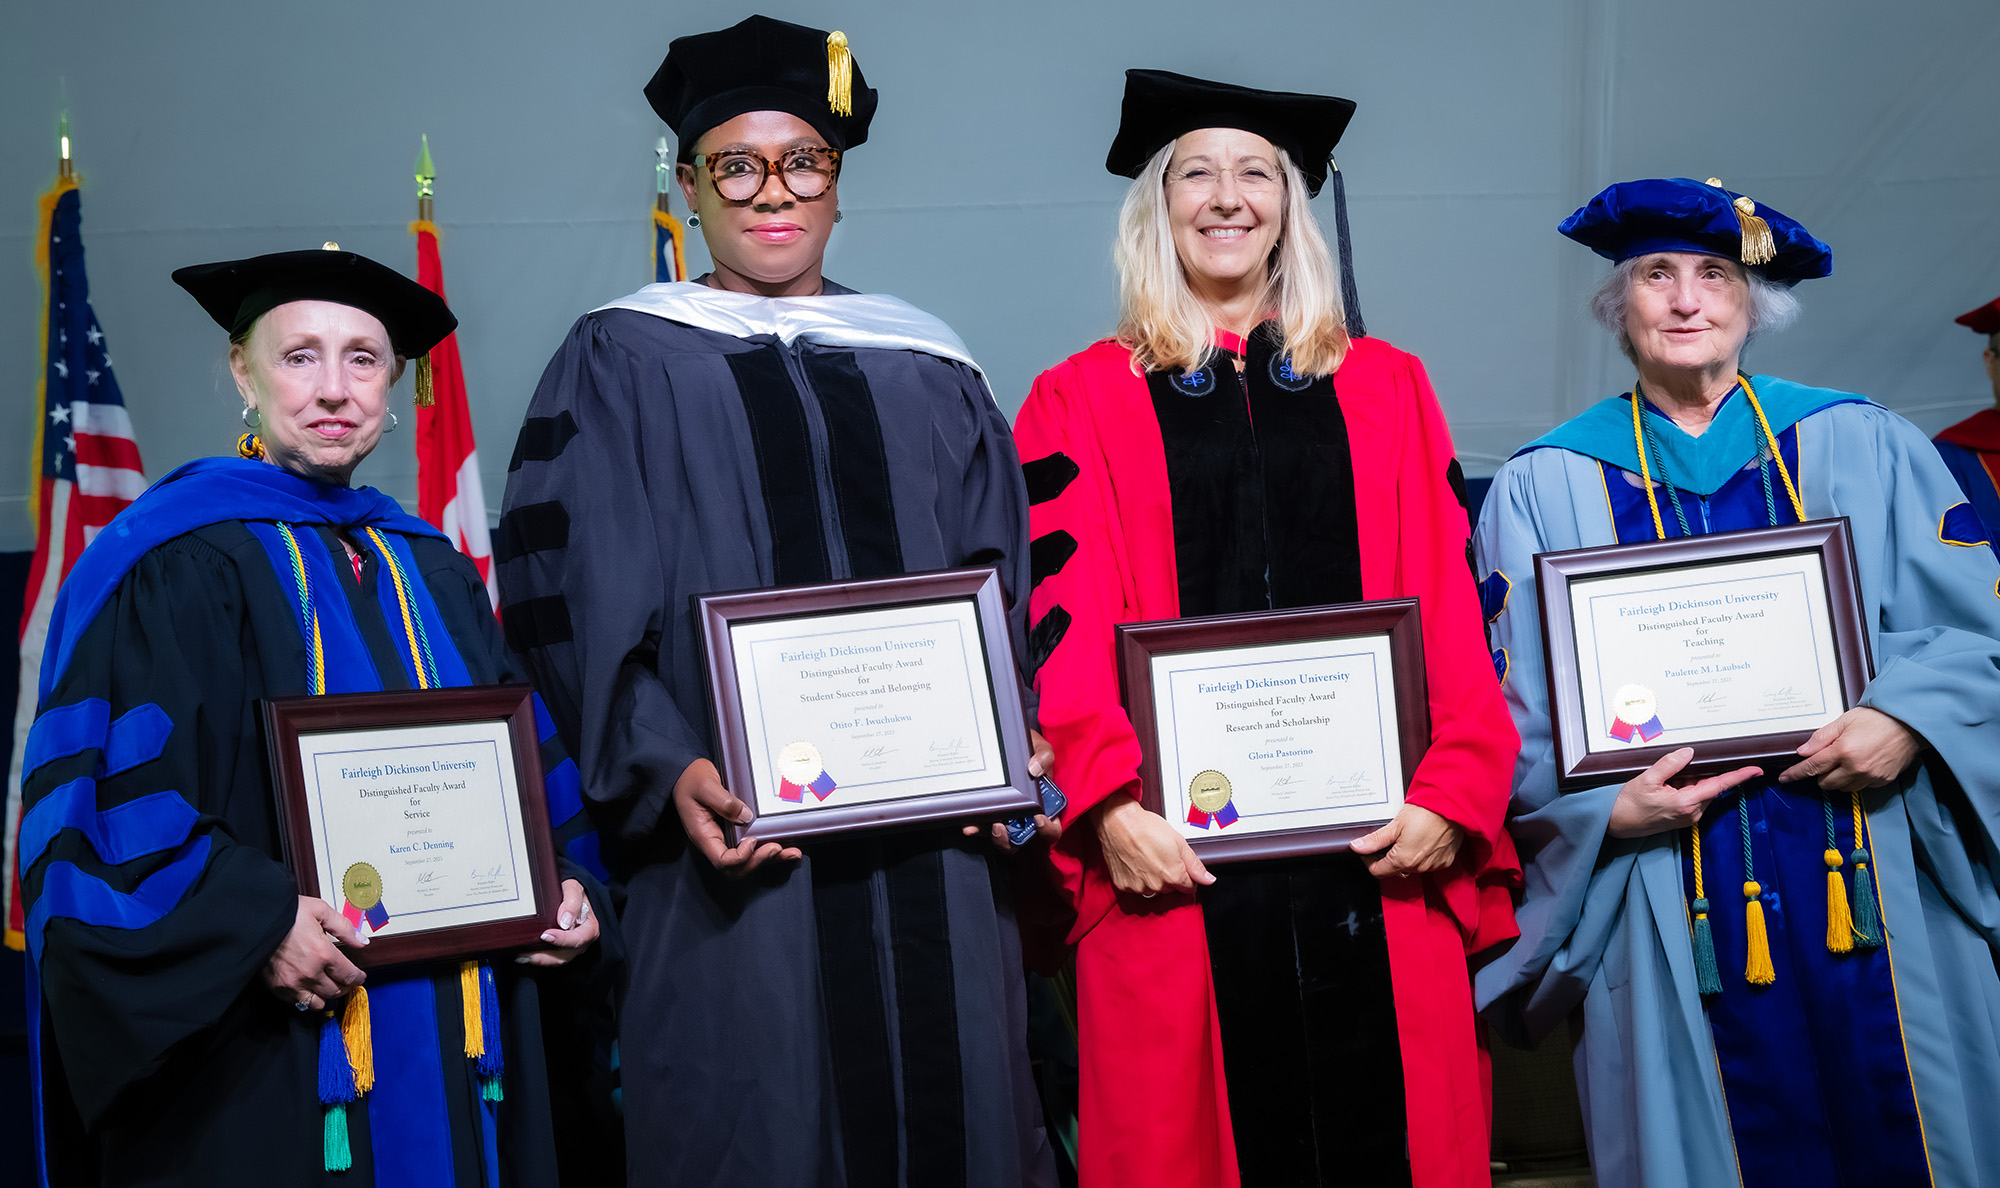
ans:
(250, 418)
(838, 215)
(393, 422)
(694, 220)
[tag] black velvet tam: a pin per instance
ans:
(1160, 107)
(238, 292)
(757, 64)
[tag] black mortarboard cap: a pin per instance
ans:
(238, 292)
(759, 64)
(1161, 106)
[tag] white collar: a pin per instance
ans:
(869, 320)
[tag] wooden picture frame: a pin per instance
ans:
(1581, 765)
(404, 717)
(722, 617)
(1139, 644)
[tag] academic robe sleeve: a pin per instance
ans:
(1937, 662)
(147, 915)
(1464, 775)
(586, 599)
(992, 516)
(1575, 877)
(1078, 597)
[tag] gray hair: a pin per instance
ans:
(1772, 305)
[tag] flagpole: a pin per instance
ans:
(426, 179)
(449, 494)
(668, 237)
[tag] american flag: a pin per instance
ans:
(90, 469)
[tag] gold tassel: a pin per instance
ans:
(425, 397)
(839, 74)
(357, 1034)
(468, 999)
(1759, 247)
(1758, 970)
(1839, 920)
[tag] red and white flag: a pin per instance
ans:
(90, 470)
(449, 494)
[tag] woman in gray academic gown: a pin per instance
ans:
(1784, 978)
(854, 1016)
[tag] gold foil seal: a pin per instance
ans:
(362, 886)
(1209, 791)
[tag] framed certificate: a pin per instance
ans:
(1738, 644)
(879, 704)
(1277, 733)
(420, 816)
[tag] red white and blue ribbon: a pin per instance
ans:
(1646, 731)
(1223, 817)
(821, 785)
(801, 770)
(1634, 713)
(377, 916)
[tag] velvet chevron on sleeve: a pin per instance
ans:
(1241, 486)
(154, 877)
(687, 441)
(152, 908)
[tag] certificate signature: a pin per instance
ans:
(1351, 783)
(1786, 697)
(876, 758)
(947, 752)
(485, 879)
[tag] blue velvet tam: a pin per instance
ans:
(1679, 214)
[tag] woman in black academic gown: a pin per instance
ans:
(856, 1015)
(200, 1022)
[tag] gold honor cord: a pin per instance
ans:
(1845, 927)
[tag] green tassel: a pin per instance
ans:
(1707, 975)
(338, 1157)
(489, 1089)
(1867, 917)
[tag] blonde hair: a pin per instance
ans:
(1164, 325)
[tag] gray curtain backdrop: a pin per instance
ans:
(208, 130)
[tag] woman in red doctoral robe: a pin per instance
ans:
(1305, 1021)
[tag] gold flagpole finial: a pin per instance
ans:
(426, 178)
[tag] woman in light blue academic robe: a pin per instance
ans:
(1857, 1039)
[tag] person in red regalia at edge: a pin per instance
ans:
(1239, 446)
(1971, 448)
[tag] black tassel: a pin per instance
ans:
(1349, 295)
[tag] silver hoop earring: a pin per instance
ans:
(694, 220)
(250, 418)
(837, 215)
(392, 422)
